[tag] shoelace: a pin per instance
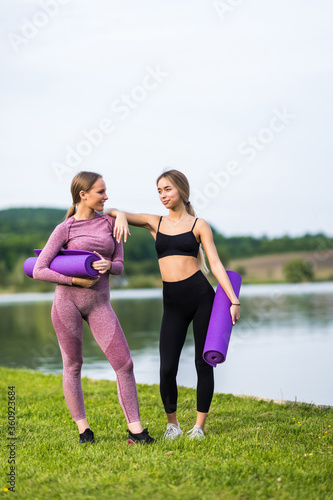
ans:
(196, 431)
(170, 431)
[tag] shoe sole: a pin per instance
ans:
(130, 442)
(171, 438)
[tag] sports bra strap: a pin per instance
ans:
(158, 228)
(194, 223)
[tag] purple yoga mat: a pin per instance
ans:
(220, 323)
(76, 263)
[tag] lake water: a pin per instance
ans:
(280, 349)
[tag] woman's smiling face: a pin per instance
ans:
(96, 196)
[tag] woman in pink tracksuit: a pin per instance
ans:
(89, 299)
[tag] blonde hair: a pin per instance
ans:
(83, 181)
(179, 180)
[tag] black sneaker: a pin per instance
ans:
(87, 436)
(142, 437)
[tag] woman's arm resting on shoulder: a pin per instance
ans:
(123, 219)
(121, 224)
(117, 258)
(217, 267)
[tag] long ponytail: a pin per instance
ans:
(71, 211)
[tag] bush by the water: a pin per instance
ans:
(298, 270)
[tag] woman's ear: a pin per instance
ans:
(82, 195)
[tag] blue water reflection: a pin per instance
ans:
(280, 349)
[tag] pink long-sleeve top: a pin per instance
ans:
(95, 234)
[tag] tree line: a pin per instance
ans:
(23, 229)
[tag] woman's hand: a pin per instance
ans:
(102, 266)
(84, 282)
(235, 313)
(121, 227)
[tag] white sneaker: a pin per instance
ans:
(173, 431)
(196, 433)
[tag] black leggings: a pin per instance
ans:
(184, 301)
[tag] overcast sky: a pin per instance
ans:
(236, 94)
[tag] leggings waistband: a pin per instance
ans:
(181, 286)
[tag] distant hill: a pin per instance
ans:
(270, 268)
(30, 219)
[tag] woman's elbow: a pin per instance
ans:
(216, 266)
(36, 273)
(119, 270)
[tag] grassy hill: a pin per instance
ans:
(269, 268)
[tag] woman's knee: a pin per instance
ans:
(127, 367)
(202, 367)
(168, 372)
(73, 367)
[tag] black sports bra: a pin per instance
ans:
(177, 244)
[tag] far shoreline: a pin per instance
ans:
(247, 290)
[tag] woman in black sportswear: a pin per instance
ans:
(187, 294)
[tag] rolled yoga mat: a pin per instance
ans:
(220, 323)
(76, 263)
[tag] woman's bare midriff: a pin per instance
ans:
(177, 267)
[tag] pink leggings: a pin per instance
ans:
(70, 306)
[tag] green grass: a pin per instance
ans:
(253, 449)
